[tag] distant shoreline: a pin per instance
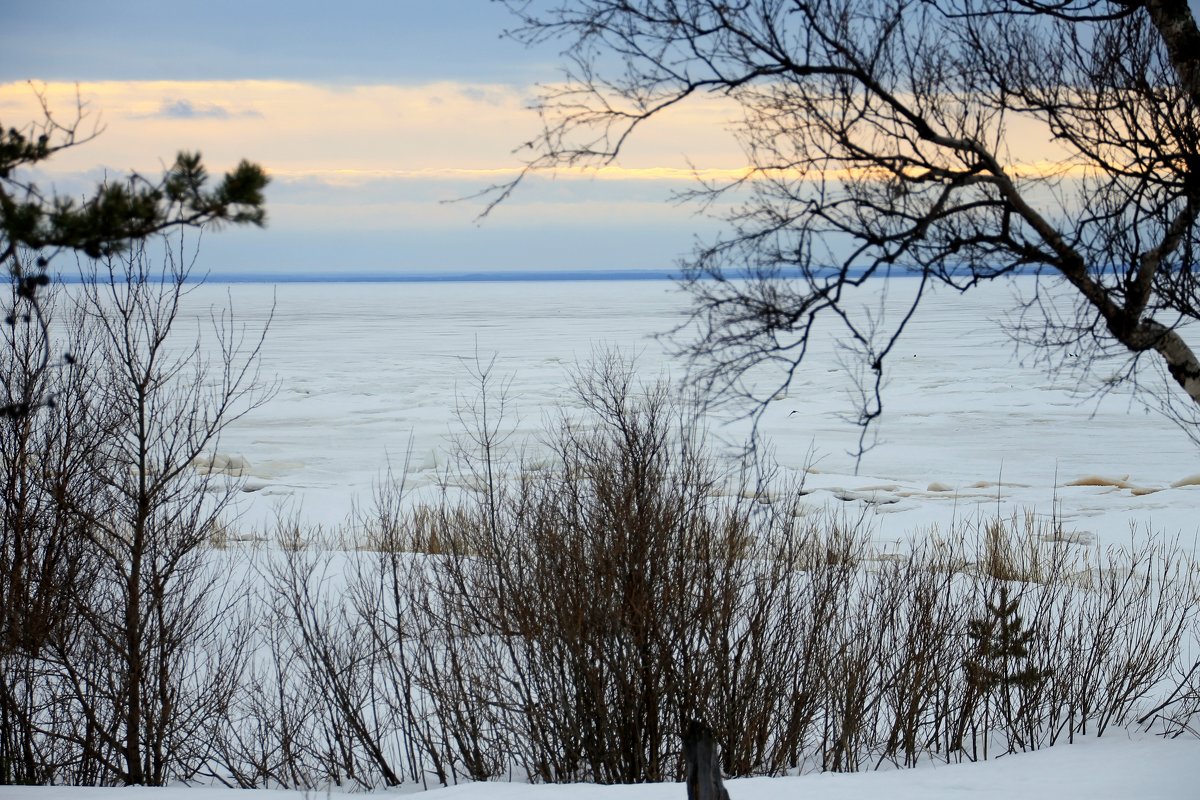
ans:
(513, 276)
(350, 276)
(480, 276)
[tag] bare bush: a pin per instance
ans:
(128, 646)
(565, 621)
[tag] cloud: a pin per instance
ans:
(186, 109)
(452, 131)
(455, 130)
(384, 157)
(611, 172)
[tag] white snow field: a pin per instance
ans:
(1110, 768)
(370, 375)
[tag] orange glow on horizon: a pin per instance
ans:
(343, 134)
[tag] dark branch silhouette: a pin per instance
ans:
(961, 141)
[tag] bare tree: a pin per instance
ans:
(960, 141)
(43, 556)
(151, 654)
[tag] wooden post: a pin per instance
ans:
(703, 768)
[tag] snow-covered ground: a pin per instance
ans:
(1111, 768)
(371, 374)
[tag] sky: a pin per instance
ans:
(374, 119)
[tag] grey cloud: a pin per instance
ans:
(186, 109)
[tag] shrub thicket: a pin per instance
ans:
(118, 647)
(560, 618)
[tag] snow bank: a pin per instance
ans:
(1112, 768)
(1101, 480)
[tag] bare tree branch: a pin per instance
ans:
(901, 137)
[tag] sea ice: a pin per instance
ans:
(391, 371)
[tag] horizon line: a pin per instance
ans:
(485, 276)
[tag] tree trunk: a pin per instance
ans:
(703, 769)
(1181, 360)
(1174, 22)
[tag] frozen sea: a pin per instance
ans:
(369, 375)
